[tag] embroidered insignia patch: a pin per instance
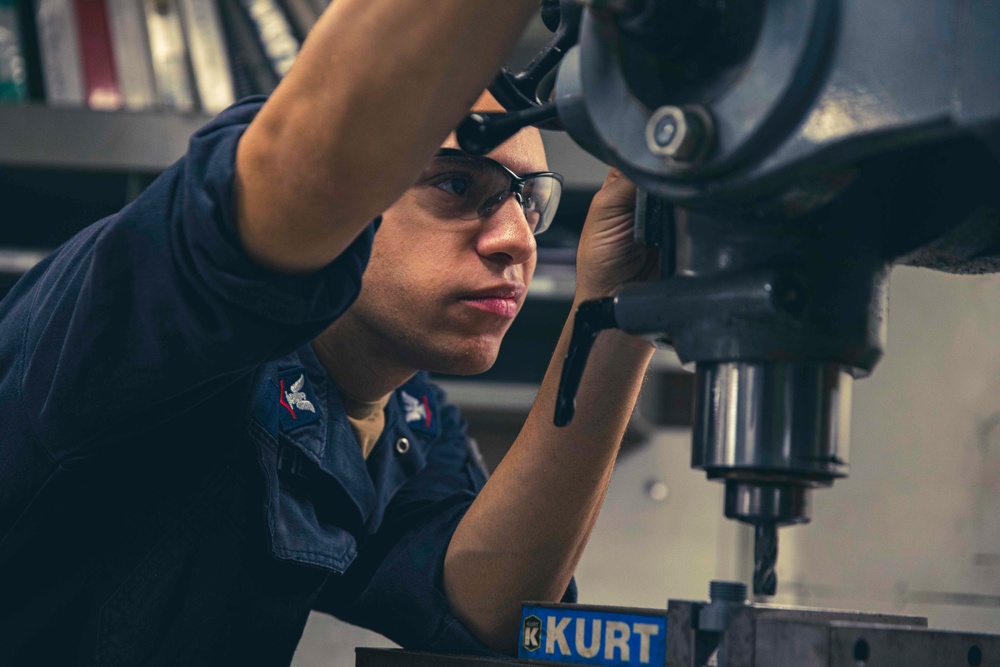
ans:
(416, 410)
(295, 398)
(418, 413)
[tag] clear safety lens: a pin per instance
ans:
(468, 188)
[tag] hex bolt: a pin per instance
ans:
(682, 134)
(665, 129)
(727, 591)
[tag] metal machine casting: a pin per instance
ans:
(729, 631)
(789, 153)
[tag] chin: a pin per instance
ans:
(466, 358)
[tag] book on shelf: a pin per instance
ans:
(320, 5)
(100, 76)
(206, 43)
(59, 50)
(174, 88)
(252, 73)
(13, 67)
(274, 32)
(127, 24)
(181, 55)
(303, 15)
(30, 49)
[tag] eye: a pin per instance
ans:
(530, 197)
(456, 185)
(530, 203)
(532, 215)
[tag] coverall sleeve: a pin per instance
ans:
(395, 586)
(157, 307)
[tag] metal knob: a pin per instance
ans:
(682, 134)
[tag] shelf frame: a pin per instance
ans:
(66, 138)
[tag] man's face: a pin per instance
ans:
(439, 293)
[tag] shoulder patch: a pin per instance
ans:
(295, 398)
(420, 412)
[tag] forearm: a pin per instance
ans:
(375, 90)
(524, 534)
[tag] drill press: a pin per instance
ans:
(789, 153)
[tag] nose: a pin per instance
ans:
(505, 234)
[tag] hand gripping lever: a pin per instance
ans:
(591, 318)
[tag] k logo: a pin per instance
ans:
(531, 633)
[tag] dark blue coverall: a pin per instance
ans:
(179, 484)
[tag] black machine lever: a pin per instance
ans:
(592, 317)
(480, 133)
(532, 86)
(526, 95)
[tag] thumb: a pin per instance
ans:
(617, 194)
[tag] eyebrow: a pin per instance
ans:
(519, 168)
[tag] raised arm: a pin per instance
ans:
(377, 87)
(553, 480)
(168, 301)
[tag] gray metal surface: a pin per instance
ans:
(821, 79)
(150, 141)
(742, 640)
(889, 646)
(775, 419)
(790, 416)
(761, 636)
(839, 644)
(66, 138)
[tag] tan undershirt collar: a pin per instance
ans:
(367, 419)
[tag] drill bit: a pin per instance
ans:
(765, 552)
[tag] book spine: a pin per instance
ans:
(169, 55)
(30, 49)
(252, 73)
(320, 5)
(100, 77)
(132, 56)
(60, 52)
(13, 69)
(303, 15)
(275, 34)
(209, 60)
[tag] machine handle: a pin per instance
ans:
(480, 133)
(591, 318)
(517, 91)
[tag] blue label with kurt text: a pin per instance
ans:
(593, 636)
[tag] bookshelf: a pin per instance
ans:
(149, 141)
(62, 138)
(62, 168)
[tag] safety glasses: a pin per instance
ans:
(460, 186)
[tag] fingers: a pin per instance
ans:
(617, 195)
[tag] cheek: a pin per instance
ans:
(410, 243)
(405, 275)
(409, 238)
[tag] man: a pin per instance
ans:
(211, 425)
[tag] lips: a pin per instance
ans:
(501, 301)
